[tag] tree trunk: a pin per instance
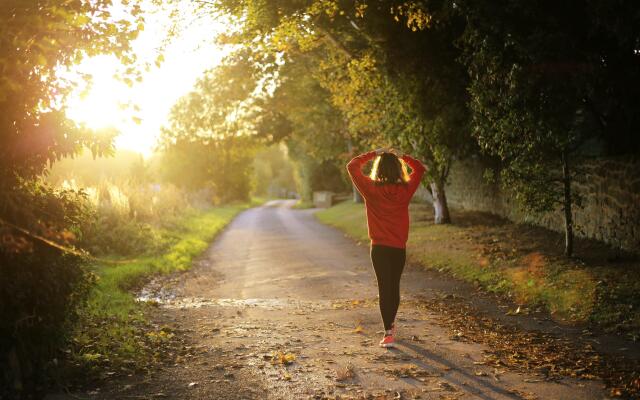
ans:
(440, 206)
(357, 197)
(305, 170)
(568, 218)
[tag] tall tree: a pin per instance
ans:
(408, 88)
(299, 113)
(546, 78)
(37, 39)
(394, 76)
(208, 133)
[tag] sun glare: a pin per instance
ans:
(139, 111)
(99, 105)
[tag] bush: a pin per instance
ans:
(41, 286)
(40, 293)
(112, 233)
(124, 218)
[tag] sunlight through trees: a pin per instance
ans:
(284, 95)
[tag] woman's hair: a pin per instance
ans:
(388, 168)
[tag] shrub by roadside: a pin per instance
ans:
(41, 286)
(601, 286)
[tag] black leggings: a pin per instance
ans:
(388, 263)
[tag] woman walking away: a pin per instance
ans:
(387, 192)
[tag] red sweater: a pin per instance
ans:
(387, 205)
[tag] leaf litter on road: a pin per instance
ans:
(548, 356)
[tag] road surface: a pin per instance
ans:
(283, 307)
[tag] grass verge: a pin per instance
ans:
(303, 205)
(600, 287)
(114, 336)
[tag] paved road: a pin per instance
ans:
(283, 307)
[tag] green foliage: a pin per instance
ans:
(208, 143)
(299, 113)
(222, 165)
(328, 176)
(391, 78)
(41, 287)
(273, 173)
(405, 86)
(40, 290)
(541, 90)
(528, 117)
(124, 217)
(37, 39)
(40, 293)
(111, 232)
(123, 209)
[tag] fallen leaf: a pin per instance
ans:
(282, 358)
(345, 373)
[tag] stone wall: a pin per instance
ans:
(610, 210)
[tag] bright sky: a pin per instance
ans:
(185, 58)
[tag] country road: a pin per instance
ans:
(283, 307)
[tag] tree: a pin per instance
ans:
(546, 78)
(37, 39)
(300, 114)
(273, 172)
(409, 86)
(394, 77)
(208, 141)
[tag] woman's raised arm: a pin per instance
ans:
(417, 171)
(354, 167)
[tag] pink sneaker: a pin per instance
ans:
(388, 341)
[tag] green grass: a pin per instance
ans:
(348, 217)
(113, 332)
(303, 205)
(491, 255)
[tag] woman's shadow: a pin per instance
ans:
(471, 383)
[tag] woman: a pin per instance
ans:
(387, 192)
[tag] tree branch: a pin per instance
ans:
(335, 42)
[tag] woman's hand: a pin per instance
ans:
(396, 152)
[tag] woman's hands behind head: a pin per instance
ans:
(396, 152)
(381, 150)
(391, 150)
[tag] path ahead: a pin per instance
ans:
(281, 306)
